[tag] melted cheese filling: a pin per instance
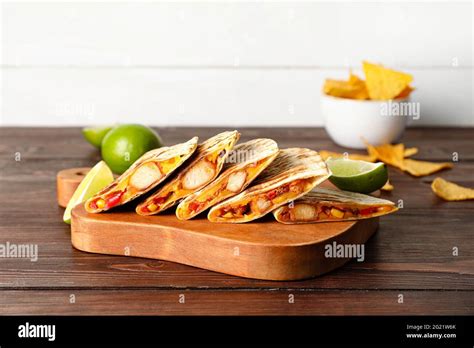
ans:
(262, 203)
(172, 193)
(215, 193)
(304, 211)
(124, 190)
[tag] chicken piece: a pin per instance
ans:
(199, 175)
(263, 204)
(236, 181)
(144, 176)
(303, 211)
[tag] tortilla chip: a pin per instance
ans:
(383, 83)
(341, 89)
(355, 81)
(394, 155)
(450, 191)
(387, 153)
(387, 187)
(387, 148)
(371, 157)
(422, 168)
(410, 151)
(405, 93)
(353, 156)
(354, 88)
(337, 88)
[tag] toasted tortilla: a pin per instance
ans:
(244, 164)
(325, 205)
(292, 173)
(142, 176)
(203, 168)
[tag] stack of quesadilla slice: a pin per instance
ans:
(237, 184)
(293, 173)
(325, 205)
(204, 167)
(142, 176)
(244, 164)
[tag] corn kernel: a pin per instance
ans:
(152, 207)
(100, 203)
(337, 213)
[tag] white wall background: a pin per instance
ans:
(213, 63)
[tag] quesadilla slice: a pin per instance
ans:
(292, 173)
(324, 205)
(204, 167)
(142, 176)
(244, 164)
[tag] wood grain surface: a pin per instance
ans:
(411, 254)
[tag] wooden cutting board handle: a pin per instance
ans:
(67, 181)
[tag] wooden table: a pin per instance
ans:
(410, 255)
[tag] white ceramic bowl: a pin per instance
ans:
(347, 121)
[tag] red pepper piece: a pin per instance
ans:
(272, 194)
(113, 199)
(159, 200)
(196, 206)
(367, 211)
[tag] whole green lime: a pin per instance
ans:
(126, 143)
(95, 135)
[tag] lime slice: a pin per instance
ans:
(94, 135)
(357, 176)
(98, 177)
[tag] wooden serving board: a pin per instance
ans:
(264, 249)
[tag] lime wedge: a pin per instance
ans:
(98, 177)
(94, 135)
(357, 176)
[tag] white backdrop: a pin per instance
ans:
(213, 63)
